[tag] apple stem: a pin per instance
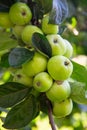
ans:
(51, 120)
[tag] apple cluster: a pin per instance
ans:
(45, 75)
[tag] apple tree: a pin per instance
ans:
(37, 73)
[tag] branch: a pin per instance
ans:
(51, 120)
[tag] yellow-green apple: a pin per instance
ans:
(20, 77)
(20, 13)
(5, 21)
(47, 27)
(57, 44)
(62, 109)
(42, 82)
(59, 91)
(17, 30)
(59, 67)
(28, 32)
(69, 49)
(36, 65)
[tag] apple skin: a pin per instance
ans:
(57, 44)
(20, 77)
(36, 65)
(69, 49)
(20, 13)
(5, 21)
(27, 33)
(59, 67)
(17, 30)
(48, 28)
(59, 91)
(62, 109)
(42, 82)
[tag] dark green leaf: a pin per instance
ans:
(21, 114)
(59, 11)
(19, 55)
(79, 92)
(11, 93)
(79, 72)
(4, 60)
(44, 5)
(41, 43)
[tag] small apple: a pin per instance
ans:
(62, 109)
(59, 67)
(20, 13)
(27, 33)
(59, 91)
(17, 30)
(36, 65)
(20, 77)
(5, 21)
(57, 44)
(69, 49)
(48, 28)
(42, 82)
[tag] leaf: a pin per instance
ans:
(79, 92)
(6, 42)
(21, 114)
(59, 11)
(79, 72)
(12, 93)
(4, 60)
(19, 55)
(44, 5)
(41, 43)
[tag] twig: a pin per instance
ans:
(51, 120)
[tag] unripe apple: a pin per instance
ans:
(42, 82)
(69, 49)
(5, 21)
(27, 33)
(59, 91)
(48, 28)
(59, 67)
(62, 109)
(17, 30)
(20, 77)
(20, 13)
(57, 44)
(36, 65)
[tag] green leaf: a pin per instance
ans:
(12, 93)
(59, 11)
(6, 42)
(21, 114)
(79, 72)
(41, 43)
(44, 5)
(79, 92)
(19, 55)
(4, 60)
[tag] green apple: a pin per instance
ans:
(27, 33)
(5, 21)
(20, 13)
(36, 65)
(57, 44)
(42, 82)
(17, 30)
(69, 49)
(20, 77)
(47, 27)
(62, 109)
(59, 67)
(59, 91)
